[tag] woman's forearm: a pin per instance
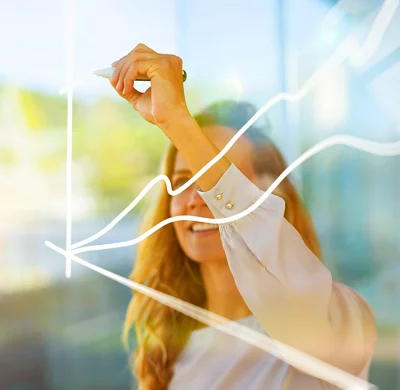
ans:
(167, 107)
(197, 150)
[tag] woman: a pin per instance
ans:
(262, 270)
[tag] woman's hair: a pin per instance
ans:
(162, 332)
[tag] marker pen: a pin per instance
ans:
(109, 72)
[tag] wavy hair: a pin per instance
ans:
(162, 332)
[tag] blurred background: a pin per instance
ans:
(58, 333)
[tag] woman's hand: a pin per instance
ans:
(164, 102)
(164, 105)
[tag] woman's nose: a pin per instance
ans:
(194, 197)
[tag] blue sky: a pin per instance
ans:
(230, 48)
(217, 40)
(34, 51)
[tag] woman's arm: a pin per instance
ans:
(164, 105)
(288, 289)
(196, 149)
(284, 284)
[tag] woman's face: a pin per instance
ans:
(205, 246)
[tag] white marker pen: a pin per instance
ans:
(109, 72)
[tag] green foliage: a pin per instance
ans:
(114, 149)
(6, 156)
(122, 151)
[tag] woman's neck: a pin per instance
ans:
(223, 296)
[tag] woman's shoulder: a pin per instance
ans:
(350, 308)
(352, 297)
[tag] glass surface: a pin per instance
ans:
(58, 333)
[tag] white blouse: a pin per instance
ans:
(292, 297)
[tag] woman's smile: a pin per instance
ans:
(203, 229)
(202, 226)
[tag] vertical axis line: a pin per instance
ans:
(70, 4)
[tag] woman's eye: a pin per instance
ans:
(179, 182)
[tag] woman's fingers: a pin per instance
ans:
(164, 97)
(129, 79)
(115, 63)
(143, 47)
(115, 78)
(121, 77)
(136, 68)
(142, 67)
(119, 81)
(128, 74)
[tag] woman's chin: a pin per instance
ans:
(198, 235)
(207, 255)
(203, 247)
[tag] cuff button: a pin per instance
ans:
(229, 205)
(219, 196)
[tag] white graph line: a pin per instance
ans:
(70, 76)
(70, 88)
(379, 27)
(350, 48)
(296, 358)
(381, 149)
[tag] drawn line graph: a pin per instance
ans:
(381, 149)
(349, 49)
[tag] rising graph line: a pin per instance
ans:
(381, 149)
(350, 48)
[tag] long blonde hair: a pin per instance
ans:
(162, 332)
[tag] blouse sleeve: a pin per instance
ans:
(288, 289)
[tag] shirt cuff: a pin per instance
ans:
(234, 193)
